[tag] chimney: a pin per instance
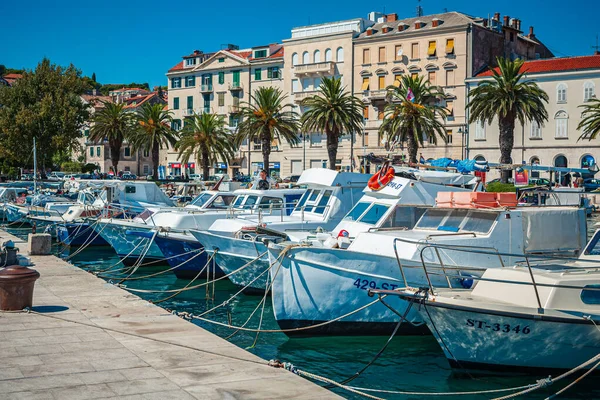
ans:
(506, 19)
(518, 24)
(391, 17)
(497, 16)
(531, 35)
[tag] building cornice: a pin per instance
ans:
(318, 38)
(411, 35)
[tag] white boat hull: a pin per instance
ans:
(234, 254)
(317, 285)
(472, 339)
(129, 247)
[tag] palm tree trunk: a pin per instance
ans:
(205, 165)
(155, 158)
(332, 147)
(115, 153)
(266, 150)
(506, 139)
(413, 148)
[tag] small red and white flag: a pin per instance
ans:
(410, 95)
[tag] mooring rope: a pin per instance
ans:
(196, 286)
(189, 283)
(135, 278)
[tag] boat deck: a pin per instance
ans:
(88, 339)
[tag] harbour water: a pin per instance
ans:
(411, 364)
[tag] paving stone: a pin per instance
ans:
(83, 392)
(18, 361)
(56, 369)
(142, 386)
(118, 363)
(42, 395)
(10, 373)
(91, 378)
(141, 373)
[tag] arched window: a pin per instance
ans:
(317, 56)
(305, 58)
(295, 59)
(339, 54)
(560, 161)
(589, 91)
(535, 161)
(587, 161)
(328, 55)
(536, 131)
(561, 93)
(561, 120)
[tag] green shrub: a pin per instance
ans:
(71, 166)
(500, 187)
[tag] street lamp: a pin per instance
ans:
(464, 137)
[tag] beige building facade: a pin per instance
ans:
(569, 82)
(368, 55)
(220, 83)
(443, 48)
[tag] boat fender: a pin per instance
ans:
(466, 282)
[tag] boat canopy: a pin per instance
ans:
(328, 177)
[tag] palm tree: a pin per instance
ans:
(590, 120)
(508, 96)
(153, 132)
(207, 136)
(334, 111)
(266, 118)
(113, 123)
(413, 113)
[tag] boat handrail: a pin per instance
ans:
(476, 250)
(451, 234)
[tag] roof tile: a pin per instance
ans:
(556, 65)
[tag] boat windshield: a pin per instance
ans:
(367, 213)
(221, 201)
(238, 201)
(201, 199)
(250, 202)
(404, 217)
(593, 249)
(457, 220)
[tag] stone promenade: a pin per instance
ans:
(122, 347)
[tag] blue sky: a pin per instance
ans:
(133, 40)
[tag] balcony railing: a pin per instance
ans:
(327, 67)
(299, 96)
(188, 112)
(236, 86)
(376, 123)
(206, 88)
(378, 94)
(234, 109)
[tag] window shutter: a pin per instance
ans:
(450, 46)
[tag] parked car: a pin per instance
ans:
(291, 179)
(540, 182)
(195, 177)
(591, 184)
(56, 176)
(129, 177)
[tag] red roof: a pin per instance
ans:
(177, 67)
(556, 65)
(12, 76)
(277, 54)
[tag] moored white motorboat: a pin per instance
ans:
(370, 257)
(242, 242)
(543, 317)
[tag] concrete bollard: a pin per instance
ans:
(39, 244)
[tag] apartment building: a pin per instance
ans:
(220, 83)
(137, 162)
(367, 54)
(444, 48)
(569, 82)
